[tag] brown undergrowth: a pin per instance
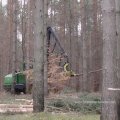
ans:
(57, 79)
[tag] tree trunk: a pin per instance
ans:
(118, 55)
(45, 47)
(70, 32)
(1, 48)
(10, 36)
(84, 46)
(95, 50)
(28, 36)
(38, 86)
(109, 110)
(14, 42)
(23, 35)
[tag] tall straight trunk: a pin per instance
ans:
(77, 60)
(38, 86)
(1, 72)
(45, 47)
(101, 38)
(76, 47)
(28, 39)
(23, 35)
(90, 79)
(10, 29)
(54, 16)
(14, 42)
(118, 35)
(118, 55)
(70, 32)
(95, 42)
(64, 27)
(28, 36)
(84, 46)
(109, 108)
(1, 50)
(51, 13)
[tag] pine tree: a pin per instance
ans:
(38, 87)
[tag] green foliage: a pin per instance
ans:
(59, 103)
(83, 104)
(49, 116)
(68, 90)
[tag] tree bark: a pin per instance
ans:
(45, 47)
(118, 56)
(38, 86)
(10, 36)
(95, 51)
(23, 35)
(14, 43)
(109, 110)
(28, 36)
(84, 46)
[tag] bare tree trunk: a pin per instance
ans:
(109, 110)
(118, 55)
(118, 35)
(1, 72)
(76, 47)
(28, 36)
(38, 86)
(23, 35)
(70, 32)
(95, 51)
(14, 42)
(84, 46)
(45, 47)
(10, 36)
(1, 49)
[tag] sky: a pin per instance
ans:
(4, 2)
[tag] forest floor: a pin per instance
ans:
(49, 116)
(57, 107)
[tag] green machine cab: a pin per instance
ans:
(19, 83)
(8, 80)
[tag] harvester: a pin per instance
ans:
(19, 82)
(23, 81)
